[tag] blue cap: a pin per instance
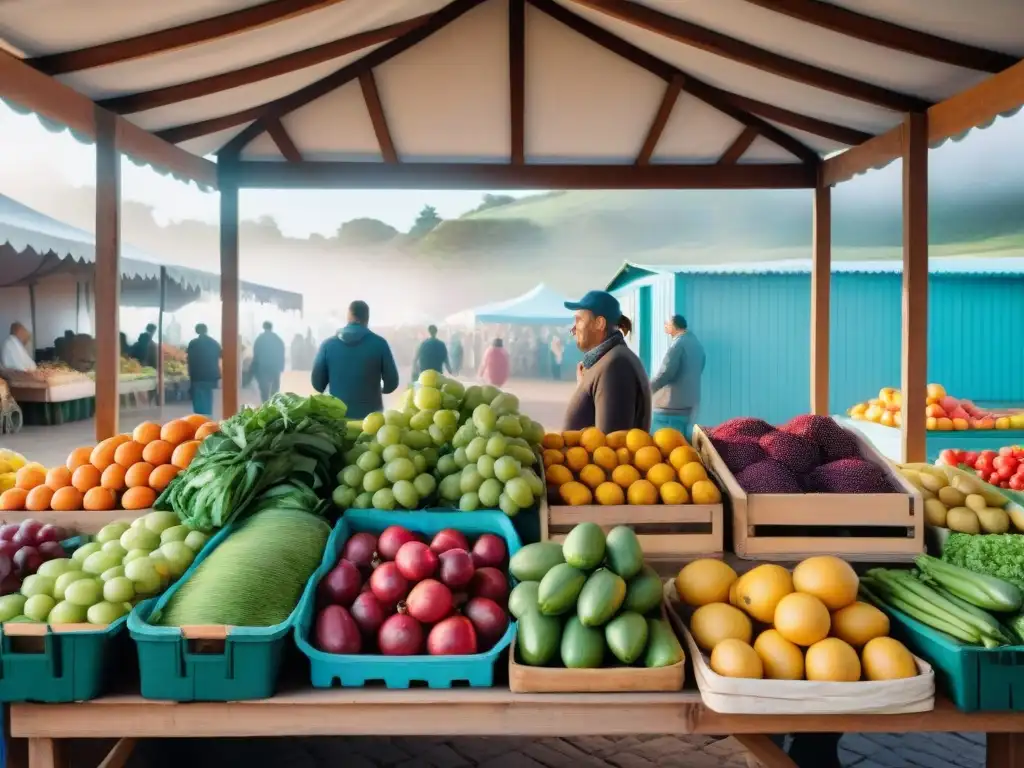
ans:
(600, 303)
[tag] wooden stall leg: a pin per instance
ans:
(767, 752)
(45, 753)
(1005, 750)
(119, 754)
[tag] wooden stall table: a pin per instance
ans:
(465, 712)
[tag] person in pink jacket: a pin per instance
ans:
(495, 367)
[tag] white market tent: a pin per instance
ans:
(538, 306)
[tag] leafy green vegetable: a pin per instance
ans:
(289, 439)
(999, 555)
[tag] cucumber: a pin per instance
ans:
(538, 638)
(663, 648)
(523, 598)
(626, 636)
(584, 547)
(600, 598)
(644, 591)
(582, 647)
(534, 560)
(559, 589)
(625, 556)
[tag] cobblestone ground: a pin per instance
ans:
(856, 751)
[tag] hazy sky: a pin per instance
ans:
(27, 150)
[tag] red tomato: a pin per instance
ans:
(949, 457)
(1017, 482)
(970, 458)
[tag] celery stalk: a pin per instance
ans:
(925, 600)
(953, 611)
(981, 590)
(933, 622)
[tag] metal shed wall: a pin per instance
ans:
(755, 330)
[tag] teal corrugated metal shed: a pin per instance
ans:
(754, 320)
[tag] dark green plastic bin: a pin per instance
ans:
(976, 679)
(57, 667)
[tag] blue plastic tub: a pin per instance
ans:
(355, 671)
(242, 663)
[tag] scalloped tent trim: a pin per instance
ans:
(56, 127)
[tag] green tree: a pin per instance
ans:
(426, 222)
(365, 231)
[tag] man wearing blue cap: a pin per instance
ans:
(613, 392)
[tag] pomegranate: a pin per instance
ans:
(447, 539)
(368, 614)
(8, 548)
(27, 560)
(7, 531)
(342, 584)
(337, 632)
(488, 618)
(11, 583)
(454, 636)
(360, 549)
(415, 561)
(456, 568)
(6, 566)
(490, 583)
(391, 540)
(429, 601)
(51, 533)
(27, 532)
(51, 550)
(388, 584)
(400, 635)
(489, 551)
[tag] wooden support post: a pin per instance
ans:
(108, 274)
(915, 286)
(229, 298)
(821, 288)
(160, 391)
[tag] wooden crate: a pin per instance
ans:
(668, 534)
(812, 518)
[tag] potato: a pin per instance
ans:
(993, 520)
(935, 513)
(951, 497)
(963, 520)
(974, 501)
(932, 483)
(1016, 513)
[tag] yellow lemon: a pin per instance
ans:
(637, 439)
(673, 493)
(642, 492)
(692, 473)
(668, 440)
(617, 440)
(592, 476)
(609, 494)
(859, 623)
(715, 622)
(705, 581)
(576, 458)
(625, 475)
(553, 440)
(802, 619)
(623, 455)
(592, 438)
(660, 474)
(734, 658)
(646, 458)
(572, 438)
(552, 457)
(782, 659)
(605, 458)
(575, 494)
(705, 492)
(682, 455)
(832, 660)
(557, 475)
(887, 659)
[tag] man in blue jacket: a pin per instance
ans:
(675, 388)
(356, 365)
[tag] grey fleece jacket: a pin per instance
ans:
(676, 385)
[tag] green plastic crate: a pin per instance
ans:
(976, 679)
(224, 664)
(60, 667)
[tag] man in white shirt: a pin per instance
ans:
(14, 355)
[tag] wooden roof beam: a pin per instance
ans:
(176, 38)
(376, 109)
(517, 79)
(279, 135)
(714, 42)
(889, 35)
(668, 102)
(984, 102)
(720, 100)
(43, 95)
(173, 94)
(740, 144)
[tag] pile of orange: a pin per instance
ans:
(122, 472)
(627, 467)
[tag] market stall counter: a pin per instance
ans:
(887, 440)
(477, 712)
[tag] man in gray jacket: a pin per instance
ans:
(675, 389)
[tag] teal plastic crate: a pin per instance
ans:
(357, 670)
(55, 667)
(213, 663)
(976, 679)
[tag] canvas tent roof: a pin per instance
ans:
(538, 306)
(521, 82)
(40, 246)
